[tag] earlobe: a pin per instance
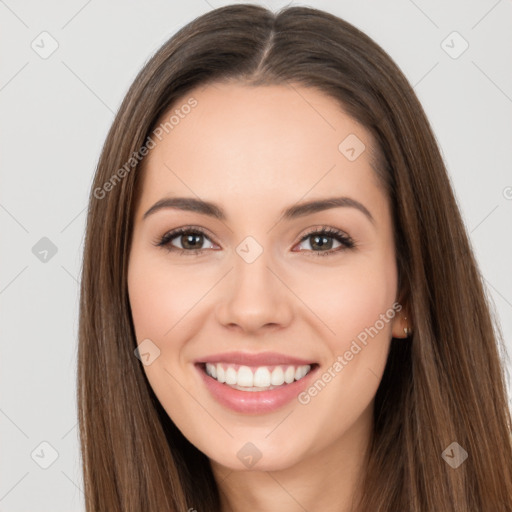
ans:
(407, 329)
(401, 327)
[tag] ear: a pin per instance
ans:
(403, 318)
(400, 322)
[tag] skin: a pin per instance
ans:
(255, 151)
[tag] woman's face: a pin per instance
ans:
(250, 280)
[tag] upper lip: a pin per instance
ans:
(258, 359)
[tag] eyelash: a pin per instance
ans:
(346, 241)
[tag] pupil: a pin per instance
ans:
(189, 238)
(323, 242)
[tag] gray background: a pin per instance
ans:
(55, 113)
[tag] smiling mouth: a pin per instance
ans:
(256, 378)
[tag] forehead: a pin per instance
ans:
(257, 142)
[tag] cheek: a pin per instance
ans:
(162, 300)
(356, 303)
(359, 309)
(351, 298)
(161, 296)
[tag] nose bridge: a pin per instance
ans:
(252, 280)
(253, 296)
(251, 269)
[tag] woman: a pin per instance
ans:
(222, 364)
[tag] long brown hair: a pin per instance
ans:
(445, 384)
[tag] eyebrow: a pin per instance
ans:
(192, 204)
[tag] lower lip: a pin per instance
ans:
(255, 402)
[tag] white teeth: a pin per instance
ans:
(289, 375)
(221, 375)
(254, 379)
(245, 377)
(261, 377)
(277, 376)
(211, 369)
(231, 375)
(300, 372)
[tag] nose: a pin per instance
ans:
(254, 297)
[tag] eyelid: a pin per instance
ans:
(173, 233)
(185, 229)
(326, 229)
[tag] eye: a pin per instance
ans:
(324, 238)
(190, 240)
